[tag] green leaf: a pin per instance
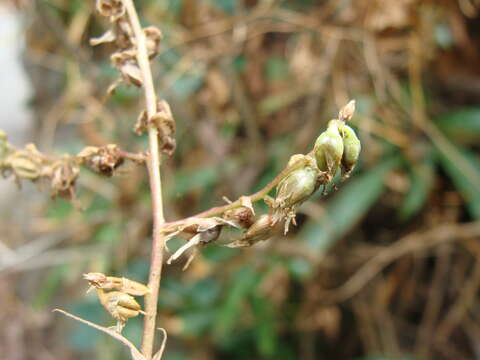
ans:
(276, 68)
(189, 180)
(461, 125)
(195, 322)
(266, 338)
(348, 206)
(187, 84)
(466, 185)
(227, 6)
(84, 338)
(243, 283)
(421, 181)
(277, 102)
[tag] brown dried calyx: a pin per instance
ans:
(121, 35)
(104, 282)
(30, 164)
(103, 160)
(164, 122)
(119, 303)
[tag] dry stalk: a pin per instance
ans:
(158, 240)
(336, 148)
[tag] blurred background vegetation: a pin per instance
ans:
(387, 267)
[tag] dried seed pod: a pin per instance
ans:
(262, 229)
(346, 113)
(152, 37)
(241, 216)
(351, 149)
(111, 8)
(103, 160)
(127, 286)
(26, 164)
(328, 150)
(63, 177)
(120, 305)
(297, 186)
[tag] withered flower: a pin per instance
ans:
(102, 160)
(64, 173)
(262, 229)
(120, 305)
(104, 282)
(111, 8)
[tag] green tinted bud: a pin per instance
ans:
(25, 166)
(298, 185)
(328, 150)
(351, 151)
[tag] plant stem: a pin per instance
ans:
(158, 241)
(259, 195)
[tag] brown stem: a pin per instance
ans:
(158, 242)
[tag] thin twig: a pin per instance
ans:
(136, 355)
(158, 241)
(259, 195)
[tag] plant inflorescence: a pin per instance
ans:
(336, 148)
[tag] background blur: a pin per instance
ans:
(387, 267)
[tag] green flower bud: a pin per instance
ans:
(351, 149)
(328, 150)
(299, 185)
(25, 166)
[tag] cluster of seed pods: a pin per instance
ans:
(338, 147)
(120, 302)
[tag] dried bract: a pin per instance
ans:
(346, 113)
(243, 217)
(127, 286)
(164, 122)
(63, 176)
(152, 36)
(262, 229)
(103, 160)
(126, 64)
(120, 305)
(113, 9)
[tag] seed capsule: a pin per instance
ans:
(101, 281)
(120, 305)
(328, 150)
(351, 151)
(262, 229)
(299, 185)
(25, 166)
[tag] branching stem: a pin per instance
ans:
(259, 195)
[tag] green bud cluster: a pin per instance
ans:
(337, 147)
